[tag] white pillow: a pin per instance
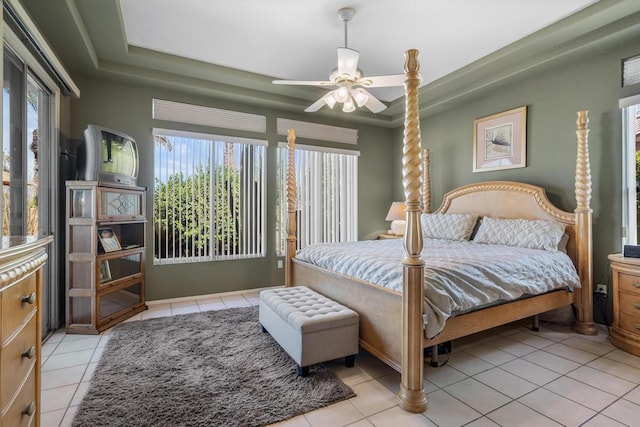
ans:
(448, 226)
(526, 233)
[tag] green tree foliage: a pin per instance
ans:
(186, 220)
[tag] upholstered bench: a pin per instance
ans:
(310, 327)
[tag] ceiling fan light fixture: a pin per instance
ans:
(342, 94)
(348, 85)
(348, 105)
(360, 97)
(330, 100)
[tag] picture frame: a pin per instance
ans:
(500, 141)
(108, 239)
(105, 271)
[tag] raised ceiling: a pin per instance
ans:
(232, 50)
(297, 40)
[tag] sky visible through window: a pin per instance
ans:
(187, 154)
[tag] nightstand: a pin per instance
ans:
(625, 332)
(384, 236)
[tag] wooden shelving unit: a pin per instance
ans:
(105, 255)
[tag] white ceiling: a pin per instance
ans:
(297, 39)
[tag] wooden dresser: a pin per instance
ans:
(21, 260)
(625, 332)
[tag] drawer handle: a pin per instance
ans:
(30, 409)
(29, 353)
(636, 285)
(636, 305)
(636, 325)
(29, 299)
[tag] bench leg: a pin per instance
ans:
(350, 361)
(303, 371)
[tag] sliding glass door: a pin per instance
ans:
(27, 167)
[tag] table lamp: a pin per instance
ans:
(397, 217)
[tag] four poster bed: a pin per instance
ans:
(392, 326)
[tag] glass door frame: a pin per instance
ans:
(48, 166)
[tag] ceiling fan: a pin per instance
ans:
(347, 79)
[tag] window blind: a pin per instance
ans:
(318, 131)
(208, 116)
(326, 196)
(209, 197)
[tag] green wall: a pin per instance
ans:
(553, 98)
(127, 107)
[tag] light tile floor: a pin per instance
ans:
(509, 376)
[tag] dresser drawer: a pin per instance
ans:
(630, 323)
(23, 411)
(629, 282)
(17, 359)
(630, 303)
(17, 302)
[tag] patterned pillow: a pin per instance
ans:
(448, 226)
(526, 233)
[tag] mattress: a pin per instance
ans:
(459, 276)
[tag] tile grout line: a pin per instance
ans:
(77, 385)
(437, 388)
(538, 387)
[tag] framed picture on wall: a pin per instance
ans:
(500, 141)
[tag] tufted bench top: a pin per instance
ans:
(307, 310)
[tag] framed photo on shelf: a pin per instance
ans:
(105, 271)
(108, 239)
(500, 141)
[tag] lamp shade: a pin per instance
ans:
(396, 212)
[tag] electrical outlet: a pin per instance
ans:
(280, 263)
(601, 289)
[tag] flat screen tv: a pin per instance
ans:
(107, 156)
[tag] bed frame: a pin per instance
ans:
(391, 323)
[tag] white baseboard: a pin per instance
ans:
(218, 295)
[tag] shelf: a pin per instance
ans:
(118, 267)
(104, 287)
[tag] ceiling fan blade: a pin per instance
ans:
(328, 100)
(303, 82)
(382, 81)
(315, 106)
(372, 103)
(347, 61)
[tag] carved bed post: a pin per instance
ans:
(291, 209)
(426, 182)
(584, 306)
(411, 394)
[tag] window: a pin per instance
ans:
(26, 135)
(209, 197)
(631, 173)
(326, 195)
(631, 71)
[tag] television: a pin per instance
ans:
(107, 156)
